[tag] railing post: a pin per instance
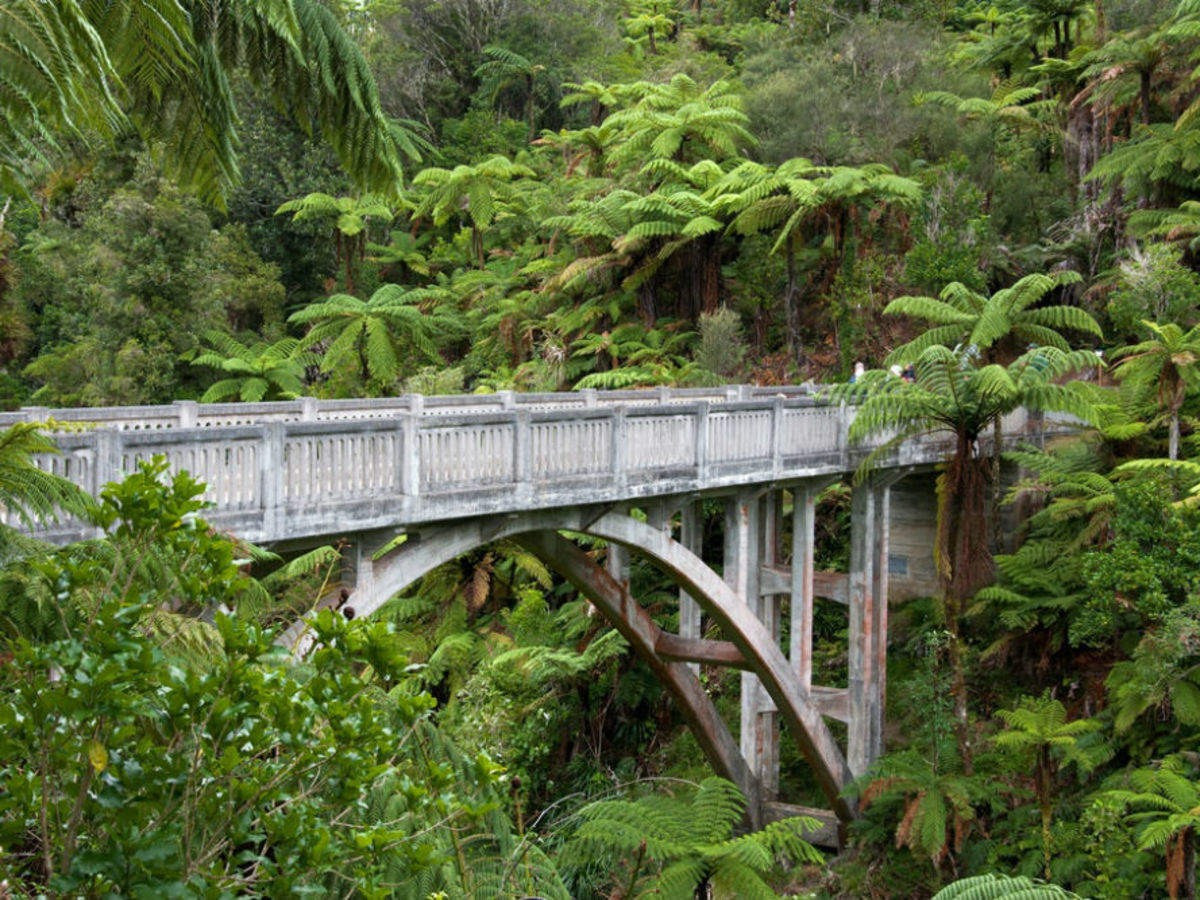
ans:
(845, 417)
(272, 474)
(777, 435)
(308, 409)
(620, 448)
(508, 399)
(523, 454)
(107, 465)
(701, 443)
(188, 413)
(411, 472)
(35, 413)
(589, 397)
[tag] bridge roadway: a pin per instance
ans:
(457, 472)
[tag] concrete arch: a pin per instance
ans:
(431, 547)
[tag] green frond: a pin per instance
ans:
(27, 490)
(993, 886)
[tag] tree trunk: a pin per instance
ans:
(1173, 437)
(791, 306)
(1045, 792)
(711, 260)
(477, 244)
(363, 366)
(964, 561)
(1145, 95)
(1189, 864)
(529, 108)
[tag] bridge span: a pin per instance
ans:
(631, 467)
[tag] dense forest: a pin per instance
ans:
(279, 198)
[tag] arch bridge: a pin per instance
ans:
(455, 473)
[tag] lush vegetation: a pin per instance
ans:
(277, 198)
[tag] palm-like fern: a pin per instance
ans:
(481, 191)
(66, 68)
(936, 808)
(994, 886)
(56, 79)
(255, 370)
(799, 199)
(1010, 317)
(373, 336)
(1038, 728)
(1041, 583)
(679, 120)
(953, 395)
(1165, 365)
(675, 848)
(29, 493)
(1166, 801)
(503, 68)
(349, 216)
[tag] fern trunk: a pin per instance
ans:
(1189, 865)
(790, 302)
(1045, 774)
(964, 561)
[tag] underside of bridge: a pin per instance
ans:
(747, 594)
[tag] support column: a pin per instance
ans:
(770, 611)
(616, 560)
(691, 535)
(741, 565)
(803, 540)
(879, 628)
(358, 565)
(868, 623)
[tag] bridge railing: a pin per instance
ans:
(306, 468)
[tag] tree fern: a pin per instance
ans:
(992, 886)
(71, 69)
(1008, 317)
(28, 492)
(376, 337)
(1165, 801)
(674, 847)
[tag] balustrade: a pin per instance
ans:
(271, 468)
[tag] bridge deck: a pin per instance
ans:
(307, 468)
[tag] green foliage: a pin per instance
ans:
(257, 371)
(164, 68)
(674, 847)
(722, 345)
(993, 886)
(1163, 672)
(28, 492)
(1153, 284)
(1010, 315)
(377, 338)
(125, 292)
(1147, 568)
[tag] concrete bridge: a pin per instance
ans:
(455, 473)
